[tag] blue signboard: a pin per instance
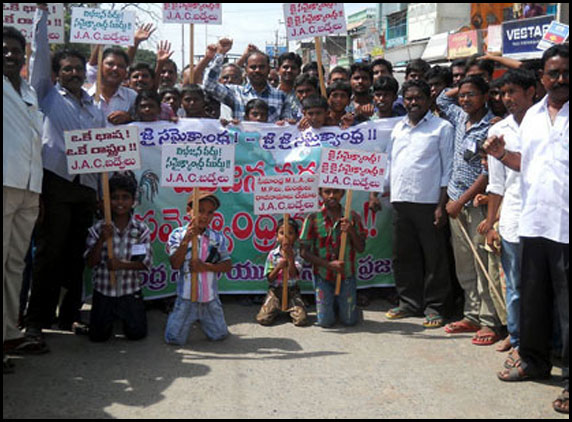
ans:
(520, 38)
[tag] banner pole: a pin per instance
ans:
(347, 214)
(286, 272)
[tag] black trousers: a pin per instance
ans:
(68, 213)
(130, 309)
(545, 282)
(420, 261)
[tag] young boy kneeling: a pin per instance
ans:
(213, 258)
(321, 240)
(283, 258)
(132, 254)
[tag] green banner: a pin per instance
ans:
(261, 150)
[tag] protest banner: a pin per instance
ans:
(195, 13)
(192, 13)
(102, 26)
(286, 194)
(201, 166)
(101, 151)
(261, 150)
(306, 20)
(197, 166)
(21, 17)
(349, 171)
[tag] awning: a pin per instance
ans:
(436, 48)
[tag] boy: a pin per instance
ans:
(339, 98)
(285, 256)
(315, 109)
(132, 254)
(320, 239)
(213, 258)
(194, 102)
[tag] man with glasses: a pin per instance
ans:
(544, 224)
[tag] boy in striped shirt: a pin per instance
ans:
(213, 258)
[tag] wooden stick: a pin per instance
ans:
(286, 272)
(347, 214)
(195, 251)
(479, 261)
(107, 213)
(192, 62)
(99, 87)
(318, 43)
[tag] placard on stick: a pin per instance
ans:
(21, 17)
(102, 26)
(197, 166)
(306, 20)
(102, 151)
(351, 170)
(286, 195)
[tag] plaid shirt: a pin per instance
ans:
(323, 237)
(127, 281)
(272, 261)
(464, 173)
(212, 247)
(237, 96)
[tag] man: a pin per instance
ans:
(458, 69)
(69, 201)
(116, 101)
(361, 80)
(289, 67)
(518, 88)
(236, 97)
(21, 180)
(439, 78)
(421, 164)
(472, 122)
(544, 223)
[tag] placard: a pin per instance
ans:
(557, 34)
(103, 150)
(286, 195)
(203, 166)
(308, 20)
(21, 17)
(196, 13)
(352, 170)
(102, 26)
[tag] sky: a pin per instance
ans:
(245, 23)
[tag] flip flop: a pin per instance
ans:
(398, 313)
(462, 326)
(433, 321)
(562, 399)
(485, 338)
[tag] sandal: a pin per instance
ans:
(463, 326)
(561, 403)
(433, 321)
(517, 373)
(512, 360)
(485, 337)
(29, 345)
(398, 313)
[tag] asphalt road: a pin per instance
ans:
(378, 369)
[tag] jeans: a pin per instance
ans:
(185, 313)
(326, 301)
(511, 261)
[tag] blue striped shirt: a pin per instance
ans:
(237, 96)
(465, 173)
(212, 244)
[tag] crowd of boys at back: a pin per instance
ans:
(365, 91)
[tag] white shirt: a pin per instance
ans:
(421, 159)
(545, 174)
(21, 138)
(123, 100)
(506, 182)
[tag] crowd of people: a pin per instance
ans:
(478, 182)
